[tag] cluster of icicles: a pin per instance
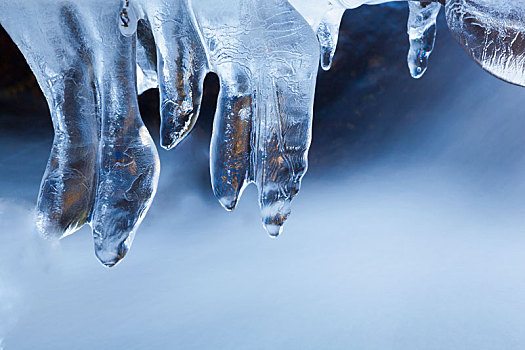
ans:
(93, 57)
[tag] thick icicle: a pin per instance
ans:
(103, 166)
(129, 165)
(241, 148)
(422, 35)
(266, 58)
(60, 60)
(282, 142)
(230, 144)
(493, 34)
(181, 66)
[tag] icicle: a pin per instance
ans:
(283, 139)
(422, 35)
(328, 32)
(68, 186)
(230, 145)
(181, 66)
(266, 58)
(127, 19)
(103, 167)
(128, 164)
(60, 60)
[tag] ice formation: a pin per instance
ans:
(103, 168)
(493, 34)
(95, 56)
(422, 35)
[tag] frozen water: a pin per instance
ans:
(103, 167)
(207, 38)
(422, 35)
(324, 17)
(266, 58)
(181, 64)
(493, 34)
(94, 57)
(446, 248)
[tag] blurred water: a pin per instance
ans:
(407, 234)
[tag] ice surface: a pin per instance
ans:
(103, 167)
(181, 64)
(491, 31)
(422, 35)
(95, 56)
(146, 58)
(266, 58)
(493, 34)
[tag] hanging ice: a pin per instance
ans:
(103, 167)
(491, 31)
(95, 56)
(266, 58)
(181, 64)
(324, 16)
(422, 35)
(493, 34)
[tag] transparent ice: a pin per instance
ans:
(95, 56)
(422, 35)
(324, 16)
(103, 168)
(266, 58)
(493, 34)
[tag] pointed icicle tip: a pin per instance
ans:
(175, 124)
(274, 216)
(422, 36)
(273, 230)
(110, 252)
(169, 143)
(328, 34)
(229, 203)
